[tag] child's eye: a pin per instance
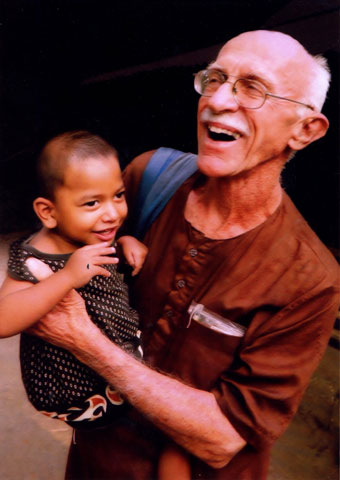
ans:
(92, 203)
(120, 194)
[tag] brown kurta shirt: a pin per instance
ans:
(278, 281)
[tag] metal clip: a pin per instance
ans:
(194, 309)
(214, 321)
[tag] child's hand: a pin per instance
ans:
(134, 252)
(86, 262)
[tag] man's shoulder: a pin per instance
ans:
(138, 164)
(303, 245)
(142, 159)
(132, 175)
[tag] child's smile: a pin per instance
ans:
(90, 206)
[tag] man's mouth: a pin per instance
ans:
(222, 134)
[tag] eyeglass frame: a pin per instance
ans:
(234, 90)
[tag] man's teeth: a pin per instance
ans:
(224, 131)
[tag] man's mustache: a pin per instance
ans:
(226, 119)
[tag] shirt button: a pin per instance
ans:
(181, 283)
(193, 252)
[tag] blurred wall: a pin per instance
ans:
(124, 70)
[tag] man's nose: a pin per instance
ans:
(223, 98)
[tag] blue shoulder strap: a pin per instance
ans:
(163, 175)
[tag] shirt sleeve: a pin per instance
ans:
(261, 393)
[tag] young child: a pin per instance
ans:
(81, 207)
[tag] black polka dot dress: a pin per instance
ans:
(58, 384)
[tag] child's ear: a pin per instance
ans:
(307, 130)
(45, 210)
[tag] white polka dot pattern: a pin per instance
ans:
(54, 379)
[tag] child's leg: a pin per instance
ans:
(173, 464)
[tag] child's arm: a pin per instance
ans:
(134, 251)
(22, 304)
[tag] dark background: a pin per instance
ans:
(123, 69)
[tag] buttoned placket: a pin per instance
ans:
(190, 268)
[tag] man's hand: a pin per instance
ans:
(67, 320)
(134, 251)
(172, 406)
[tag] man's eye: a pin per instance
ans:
(211, 81)
(213, 77)
(251, 88)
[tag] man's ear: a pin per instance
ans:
(307, 130)
(45, 210)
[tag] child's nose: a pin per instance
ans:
(110, 213)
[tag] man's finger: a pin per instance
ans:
(38, 268)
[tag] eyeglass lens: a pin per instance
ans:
(247, 93)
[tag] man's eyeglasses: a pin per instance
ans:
(247, 93)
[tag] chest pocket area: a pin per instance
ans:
(206, 349)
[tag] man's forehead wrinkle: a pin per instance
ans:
(277, 60)
(237, 65)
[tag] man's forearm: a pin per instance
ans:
(190, 416)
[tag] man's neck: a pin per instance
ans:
(227, 207)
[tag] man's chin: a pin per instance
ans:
(214, 167)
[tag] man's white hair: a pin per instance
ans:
(317, 87)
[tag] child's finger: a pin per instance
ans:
(135, 271)
(102, 260)
(138, 263)
(97, 245)
(102, 251)
(100, 271)
(131, 258)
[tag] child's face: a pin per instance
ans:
(90, 206)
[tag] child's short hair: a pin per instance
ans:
(60, 150)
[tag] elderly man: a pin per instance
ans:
(231, 240)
